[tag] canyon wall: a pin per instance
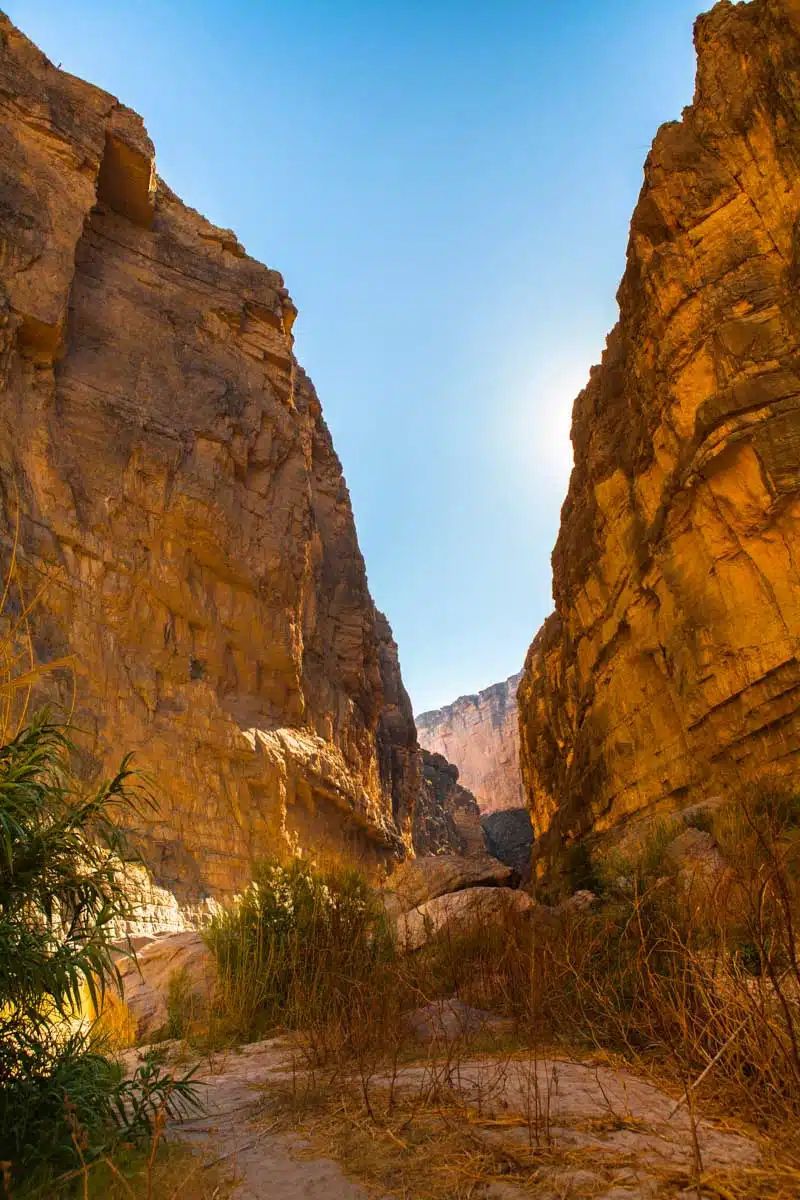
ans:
(481, 735)
(183, 519)
(671, 666)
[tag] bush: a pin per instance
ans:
(695, 964)
(684, 966)
(61, 901)
(298, 946)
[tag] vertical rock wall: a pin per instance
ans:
(182, 509)
(671, 665)
(481, 735)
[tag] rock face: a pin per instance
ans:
(481, 735)
(671, 661)
(509, 837)
(181, 502)
(446, 816)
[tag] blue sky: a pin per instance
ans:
(446, 188)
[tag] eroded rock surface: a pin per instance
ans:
(446, 816)
(472, 908)
(671, 662)
(615, 1136)
(480, 734)
(181, 501)
(178, 961)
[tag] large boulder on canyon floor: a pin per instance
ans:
(457, 912)
(174, 969)
(183, 517)
(417, 880)
(672, 661)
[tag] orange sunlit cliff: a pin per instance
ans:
(671, 663)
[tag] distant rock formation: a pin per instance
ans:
(672, 662)
(181, 501)
(481, 735)
(446, 815)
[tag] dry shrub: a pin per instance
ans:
(693, 964)
(686, 969)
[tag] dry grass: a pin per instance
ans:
(687, 977)
(431, 1145)
(171, 1172)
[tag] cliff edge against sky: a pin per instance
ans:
(181, 502)
(671, 665)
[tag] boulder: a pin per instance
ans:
(702, 869)
(459, 911)
(421, 879)
(146, 982)
(446, 1020)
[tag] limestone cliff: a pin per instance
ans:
(182, 504)
(481, 735)
(671, 662)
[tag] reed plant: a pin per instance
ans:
(298, 947)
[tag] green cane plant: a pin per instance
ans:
(62, 904)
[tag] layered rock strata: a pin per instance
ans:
(481, 735)
(183, 516)
(671, 665)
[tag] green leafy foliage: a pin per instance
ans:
(297, 944)
(61, 903)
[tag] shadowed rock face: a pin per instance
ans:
(446, 816)
(509, 837)
(671, 661)
(180, 496)
(481, 735)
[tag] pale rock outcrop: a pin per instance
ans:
(181, 959)
(182, 506)
(473, 907)
(480, 734)
(672, 662)
(415, 881)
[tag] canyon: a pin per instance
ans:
(670, 668)
(179, 535)
(174, 515)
